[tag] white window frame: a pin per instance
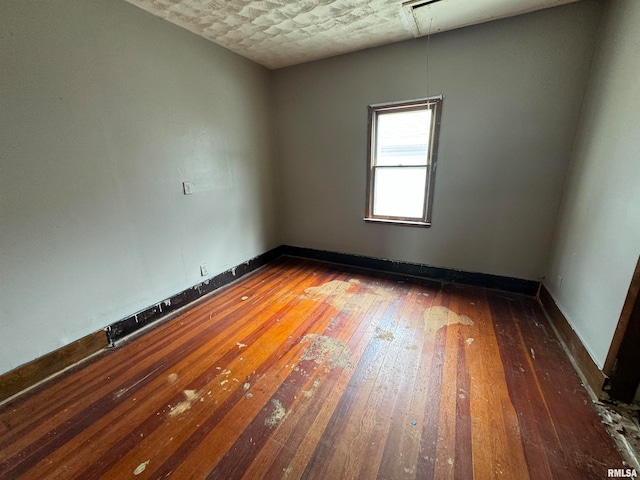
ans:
(432, 103)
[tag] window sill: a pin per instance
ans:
(409, 223)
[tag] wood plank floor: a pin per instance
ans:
(310, 370)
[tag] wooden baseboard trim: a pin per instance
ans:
(583, 362)
(29, 374)
(495, 282)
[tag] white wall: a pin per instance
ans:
(513, 90)
(598, 237)
(104, 111)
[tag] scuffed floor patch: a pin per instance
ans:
(326, 350)
(623, 424)
(333, 288)
(287, 471)
(309, 393)
(339, 292)
(190, 398)
(437, 317)
(278, 414)
(384, 335)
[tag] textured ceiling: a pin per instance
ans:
(279, 33)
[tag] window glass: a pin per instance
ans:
(403, 138)
(400, 192)
(402, 153)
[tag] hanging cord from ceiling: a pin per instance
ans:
(427, 55)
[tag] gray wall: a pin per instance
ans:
(598, 240)
(513, 90)
(104, 111)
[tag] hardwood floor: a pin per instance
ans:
(311, 370)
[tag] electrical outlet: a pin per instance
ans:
(187, 188)
(204, 271)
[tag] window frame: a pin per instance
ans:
(432, 103)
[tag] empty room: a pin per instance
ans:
(319, 239)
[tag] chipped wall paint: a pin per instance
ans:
(120, 329)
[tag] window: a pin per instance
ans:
(403, 140)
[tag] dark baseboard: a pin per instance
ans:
(43, 367)
(496, 282)
(33, 372)
(29, 374)
(584, 363)
(120, 329)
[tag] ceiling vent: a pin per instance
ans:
(425, 17)
(415, 12)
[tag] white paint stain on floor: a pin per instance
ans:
(437, 317)
(278, 414)
(326, 350)
(191, 396)
(339, 293)
(140, 468)
(384, 335)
